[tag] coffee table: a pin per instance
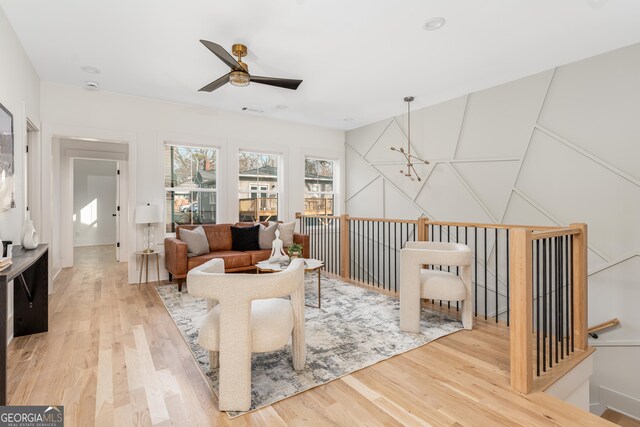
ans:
(310, 265)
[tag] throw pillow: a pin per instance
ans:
(267, 235)
(245, 238)
(196, 241)
(286, 232)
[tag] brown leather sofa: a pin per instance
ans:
(219, 237)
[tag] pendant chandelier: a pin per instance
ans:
(410, 158)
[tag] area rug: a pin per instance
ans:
(355, 328)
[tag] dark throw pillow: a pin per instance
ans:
(245, 238)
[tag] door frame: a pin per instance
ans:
(51, 135)
(121, 201)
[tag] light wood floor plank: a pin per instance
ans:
(114, 357)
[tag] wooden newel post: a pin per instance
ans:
(580, 287)
(344, 246)
(521, 337)
(423, 232)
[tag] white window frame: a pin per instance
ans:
(176, 190)
(322, 193)
(258, 183)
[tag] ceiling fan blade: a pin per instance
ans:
(216, 84)
(273, 81)
(223, 55)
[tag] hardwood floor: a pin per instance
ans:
(114, 357)
(620, 419)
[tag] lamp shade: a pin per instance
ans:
(148, 214)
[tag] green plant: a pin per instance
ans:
(295, 248)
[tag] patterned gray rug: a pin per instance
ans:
(354, 329)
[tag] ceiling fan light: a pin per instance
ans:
(239, 78)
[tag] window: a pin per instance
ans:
(190, 181)
(258, 186)
(318, 181)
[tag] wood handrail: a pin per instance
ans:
(498, 226)
(555, 233)
(397, 221)
(301, 215)
(604, 325)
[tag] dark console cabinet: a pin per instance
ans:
(30, 275)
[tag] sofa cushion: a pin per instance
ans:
(232, 259)
(196, 241)
(286, 230)
(218, 235)
(267, 235)
(245, 238)
(257, 256)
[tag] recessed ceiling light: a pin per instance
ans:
(281, 107)
(89, 69)
(348, 119)
(434, 24)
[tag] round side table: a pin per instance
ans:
(145, 265)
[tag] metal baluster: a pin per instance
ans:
(497, 273)
(571, 305)
(560, 296)
(544, 305)
(508, 278)
(550, 300)
(486, 285)
(475, 270)
(537, 307)
(457, 267)
(388, 287)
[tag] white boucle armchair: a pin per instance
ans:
(417, 283)
(246, 315)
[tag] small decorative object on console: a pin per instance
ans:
(277, 250)
(30, 238)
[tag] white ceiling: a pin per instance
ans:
(358, 58)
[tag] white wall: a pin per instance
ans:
(557, 147)
(94, 202)
(147, 124)
(20, 94)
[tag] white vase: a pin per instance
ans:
(29, 235)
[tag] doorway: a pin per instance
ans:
(96, 205)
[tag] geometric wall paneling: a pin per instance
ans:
(584, 191)
(617, 290)
(447, 199)
(368, 202)
(520, 211)
(391, 172)
(359, 173)
(601, 118)
(397, 205)
(492, 182)
(498, 121)
(435, 129)
(392, 136)
(363, 138)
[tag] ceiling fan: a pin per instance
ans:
(239, 75)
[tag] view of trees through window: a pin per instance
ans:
(190, 180)
(258, 186)
(318, 180)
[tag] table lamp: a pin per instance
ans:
(148, 214)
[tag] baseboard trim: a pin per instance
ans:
(619, 402)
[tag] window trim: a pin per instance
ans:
(194, 190)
